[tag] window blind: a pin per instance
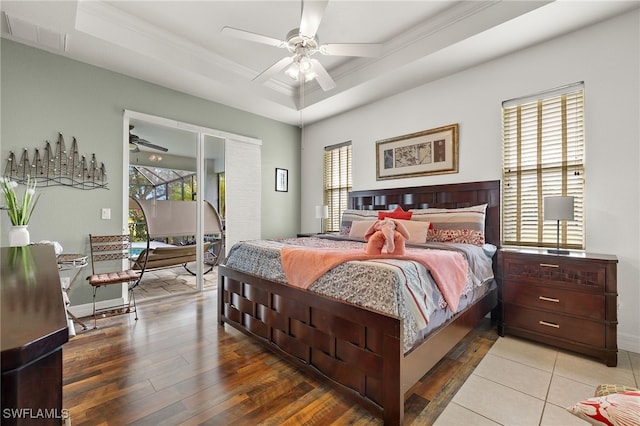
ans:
(337, 183)
(543, 155)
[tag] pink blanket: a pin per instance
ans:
(304, 265)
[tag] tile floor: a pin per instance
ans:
(522, 383)
(167, 282)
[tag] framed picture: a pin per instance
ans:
(429, 152)
(282, 180)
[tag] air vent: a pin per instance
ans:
(44, 37)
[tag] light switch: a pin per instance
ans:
(106, 213)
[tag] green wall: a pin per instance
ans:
(43, 94)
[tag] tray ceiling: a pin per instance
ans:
(179, 44)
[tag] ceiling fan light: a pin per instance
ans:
(293, 71)
(305, 65)
(309, 76)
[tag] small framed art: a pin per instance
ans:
(282, 180)
(429, 152)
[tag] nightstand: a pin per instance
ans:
(568, 301)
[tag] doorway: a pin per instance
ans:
(172, 160)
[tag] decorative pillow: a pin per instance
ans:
(603, 390)
(617, 409)
(397, 213)
(359, 228)
(463, 225)
(352, 215)
(417, 230)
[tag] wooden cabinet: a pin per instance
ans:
(34, 328)
(568, 301)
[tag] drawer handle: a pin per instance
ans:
(549, 299)
(549, 324)
(549, 265)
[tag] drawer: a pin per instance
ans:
(559, 300)
(578, 275)
(555, 325)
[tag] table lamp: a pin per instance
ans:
(322, 212)
(558, 208)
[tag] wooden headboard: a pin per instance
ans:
(437, 196)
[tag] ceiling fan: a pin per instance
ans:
(135, 142)
(303, 43)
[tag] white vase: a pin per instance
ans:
(19, 236)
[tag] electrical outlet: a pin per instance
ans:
(106, 213)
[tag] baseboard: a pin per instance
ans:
(628, 342)
(86, 310)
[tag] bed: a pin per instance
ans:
(360, 351)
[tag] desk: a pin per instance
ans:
(33, 329)
(75, 263)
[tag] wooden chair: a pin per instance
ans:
(111, 248)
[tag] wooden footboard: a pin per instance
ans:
(358, 350)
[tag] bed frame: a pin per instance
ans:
(357, 350)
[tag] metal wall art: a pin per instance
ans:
(62, 167)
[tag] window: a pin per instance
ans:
(337, 182)
(543, 155)
(161, 184)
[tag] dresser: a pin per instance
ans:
(568, 301)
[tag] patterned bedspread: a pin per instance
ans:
(399, 287)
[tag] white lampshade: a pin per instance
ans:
(558, 208)
(322, 212)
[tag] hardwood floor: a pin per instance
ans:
(175, 365)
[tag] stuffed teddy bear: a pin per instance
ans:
(387, 232)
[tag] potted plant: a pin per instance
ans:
(19, 210)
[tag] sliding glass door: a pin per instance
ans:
(218, 172)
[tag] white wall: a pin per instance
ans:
(605, 56)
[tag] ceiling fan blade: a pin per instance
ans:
(322, 76)
(150, 145)
(273, 69)
(312, 12)
(258, 38)
(352, 49)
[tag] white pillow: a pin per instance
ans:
(417, 230)
(359, 228)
